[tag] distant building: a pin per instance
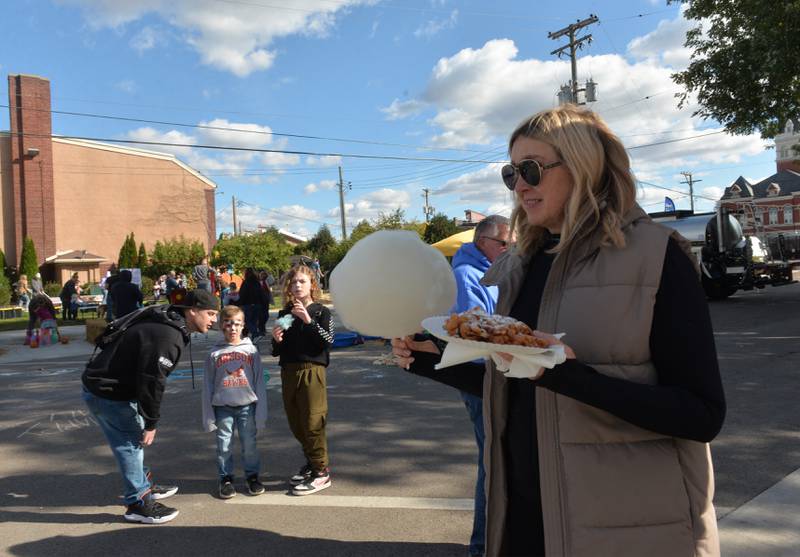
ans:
(79, 199)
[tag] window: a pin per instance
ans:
(773, 215)
(787, 214)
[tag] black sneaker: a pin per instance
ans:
(302, 475)
(162, 491)
(226, 489)
(318, 481)
(150, 512)
(254, 487)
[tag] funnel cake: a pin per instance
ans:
(476, 324)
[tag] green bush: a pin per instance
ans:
(5, 290)
(147, 286)
(28, 263)
(52, 289)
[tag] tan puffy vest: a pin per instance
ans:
(608, 488)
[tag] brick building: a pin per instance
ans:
(78, 199)
(770, 209)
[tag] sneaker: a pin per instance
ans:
(162, 491)
(316, 482)
(254, 487)
(150, 512)
(226, 489)
(302, 475)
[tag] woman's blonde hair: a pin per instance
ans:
(604, 188)
(288, 297)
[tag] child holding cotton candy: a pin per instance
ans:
(302, 338)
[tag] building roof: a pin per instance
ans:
(787, 180)
(75, 256)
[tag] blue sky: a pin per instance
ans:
(417, 79)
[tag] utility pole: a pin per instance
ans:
(428, 210)
(233, 204)
(573, 45)
(341, 204)
(690, 182)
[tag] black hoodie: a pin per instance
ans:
(125, 295)
(148, 352)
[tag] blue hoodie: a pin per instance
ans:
(469, 266)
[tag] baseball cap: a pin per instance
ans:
(199, 299)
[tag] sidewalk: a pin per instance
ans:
(12, 349)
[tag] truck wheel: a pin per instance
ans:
(717, 290)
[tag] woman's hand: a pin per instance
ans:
(403, 347)
(300, 311)
(277, 333)
(552, 340)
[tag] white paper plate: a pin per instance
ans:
(435, 326)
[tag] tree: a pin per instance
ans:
(178, 254)
(28, 262)
(439, 228)
(744, 64)
(266, 250)
(361, 230)
(321, 242)
(390, 221)
(5, 290)
(128, 258)
(141, 260)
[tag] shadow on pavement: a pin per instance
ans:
(213, 540)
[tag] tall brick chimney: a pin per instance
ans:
(32, 163)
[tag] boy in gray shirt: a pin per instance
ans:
(235, 397)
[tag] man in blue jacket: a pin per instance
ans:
(470, 263)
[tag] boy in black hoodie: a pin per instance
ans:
(123, 390)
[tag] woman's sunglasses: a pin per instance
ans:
(530, 170)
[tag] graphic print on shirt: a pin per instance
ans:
(233, 363)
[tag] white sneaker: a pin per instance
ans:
(317, 482)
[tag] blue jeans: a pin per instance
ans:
(478, 539)
(123, 427)
(244, 419)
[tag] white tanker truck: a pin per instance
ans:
(737, 262)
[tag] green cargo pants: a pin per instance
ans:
(305, 400)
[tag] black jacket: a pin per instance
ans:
(251, 293)
(125, 295)
(148, 352)
(306, 343)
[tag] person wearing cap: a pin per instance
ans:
(123, 387)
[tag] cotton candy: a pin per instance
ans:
(389, 282)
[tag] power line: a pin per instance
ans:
(237, 130)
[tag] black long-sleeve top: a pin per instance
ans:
(306, 342)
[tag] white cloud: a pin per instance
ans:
(170, 138)
(370, 206)
(297, 219)
(323, 185)
(147, 38)
(324, 161)
(664, 44)
(234, 37)
(433, 27)
(402, 109)
(478, 189)
(233, 134)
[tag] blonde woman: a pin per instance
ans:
(607, 453)
(23, 292)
